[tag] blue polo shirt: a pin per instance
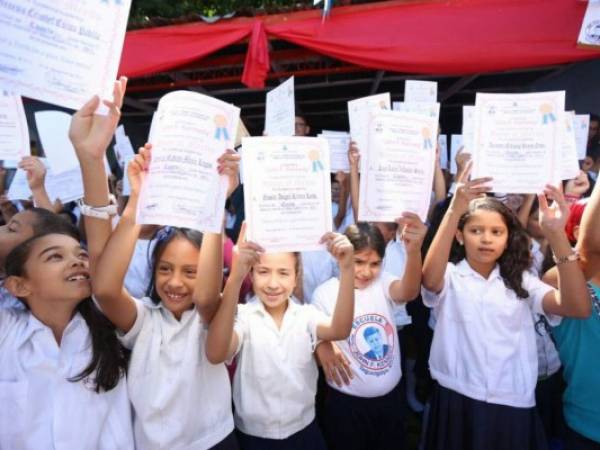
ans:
(578, 343)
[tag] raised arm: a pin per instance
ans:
(412, 232)
(109, 278)
(588, 243)
(525, 209)
(36, 176)
(91, 134)
(341, 322)
(437, 256)
(354, 158)
(222, 341)
(572, 297)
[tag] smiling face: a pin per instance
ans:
(274, 279)
(485, 237)
(367, 266)
(56, 270)
(175, 275)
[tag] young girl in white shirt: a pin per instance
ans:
(366, 413)
(62, 369)
(483, 355)
(180, 399)
(276, 378)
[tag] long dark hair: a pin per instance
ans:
(163, 237)
(516, 258)
(109, 360)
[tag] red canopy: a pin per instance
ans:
(447, 38)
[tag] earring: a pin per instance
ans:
(460, 242)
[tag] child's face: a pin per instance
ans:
(485, 237)
(16, 231)
(367, 265)
(274, 278)
(533, 226)
(56, 270)
(175, 275)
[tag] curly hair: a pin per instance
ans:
(516, 258)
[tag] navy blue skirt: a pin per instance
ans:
(458, 422)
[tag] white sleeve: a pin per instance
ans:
(432, 299)
(387, 279)
(321, 297)
(240, 328)
(315, 318)
(128, 339)
(9, 318)
(537, 290)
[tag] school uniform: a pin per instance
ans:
(275, 382)
(484, 359)
(39, 407)
(8, 301)
(139, 274)
(318, 266)
(367, 413)
(180, 400)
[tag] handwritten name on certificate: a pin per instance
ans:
(190, 131)
(517, 138)
(399, 165)
(280, 119)
(14, 135)
(61, 51)
(287, 192)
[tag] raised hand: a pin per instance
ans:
(138, 168)
(467, 190)
(552, 218)
(229, 164)
(353, 155)
(340, 248)
(36, 172)
(245, 254)
(412, 231)
(91, 133)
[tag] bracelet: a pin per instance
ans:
(565, 259)
(99, 212)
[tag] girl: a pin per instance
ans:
(180, 399)
(366, 413)
(276, 378)
(62, 369)
(484, 353)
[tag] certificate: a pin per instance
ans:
(338, 151)
(66, 186)
(567, 162)
(581, 125)
(280, 116)
(468, 127)
(14, 135)
(443, 145)
(287, 194)
(123, 147)
(517, 138)
(53, 130)
(428, 109)
(399, 165)
(358, 116)
(420, 91)
(61, 51)
(589, 35)
(456, 143)
(190, 131)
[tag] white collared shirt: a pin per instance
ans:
(318, 266)
(180, 399)
(276, 378)
(8, 301)
(484, 340)
(39, 407)
(376, 367)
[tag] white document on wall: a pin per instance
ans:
(420, 91)
(14, 134)
(399, 166)
(61, 51)
(190, 132)
(358, 116)
(287, 192)
(280, 113)
(517, 140)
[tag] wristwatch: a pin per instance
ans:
(99, 212)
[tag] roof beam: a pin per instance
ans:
(377, 81)
(461, 83)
